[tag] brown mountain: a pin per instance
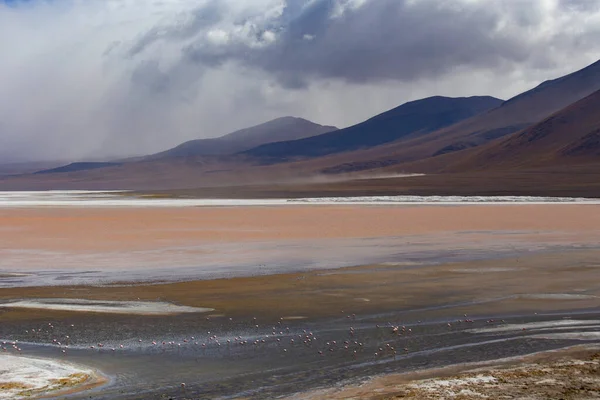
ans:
(528, 107)
(280, 129)
(511, 116)
(569, 137)
(412, 119)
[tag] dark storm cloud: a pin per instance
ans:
(378, 40)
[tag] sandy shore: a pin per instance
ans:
(571, 373)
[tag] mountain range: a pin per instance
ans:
(280, 129)
(553, 128)
(410, 120)
(570, 136)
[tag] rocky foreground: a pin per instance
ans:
(553, 376)
(567, 379)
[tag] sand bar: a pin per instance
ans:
(104, 306)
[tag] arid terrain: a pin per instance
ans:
(568, 374)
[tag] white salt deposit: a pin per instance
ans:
(482, 270)
(25, 377)
(557, 296)
(569, 336)
(535, 326)
(82, 198)
(451, 386)
(104, 306)
(449, 200)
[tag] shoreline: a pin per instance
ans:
(132, 199)
(423, 305)
(53, 377)
(434, 382)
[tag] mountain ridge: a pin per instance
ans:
(515, 114)
(278, 129)
(569, 136)
(411, 118)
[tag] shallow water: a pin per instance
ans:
(213, 261)
(218, 369)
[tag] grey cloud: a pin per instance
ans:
(201, 18)
(381, 40)
(149, 76)
(580, 5)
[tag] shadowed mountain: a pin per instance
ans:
(78, 166)
(523, 110)
(20, 168)
(511, 116)
(411, 119)
(568, 137)
(280, 129)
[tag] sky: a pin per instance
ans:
(94, 79)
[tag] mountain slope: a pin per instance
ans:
(520, 112)
(524, 109)
(410, 119)
(285, 128)
(570, 136)
(78, 166)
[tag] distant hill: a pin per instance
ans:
(78, 166)
(280, 129)
(411, 119)
(19, 168)
(569, 137)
